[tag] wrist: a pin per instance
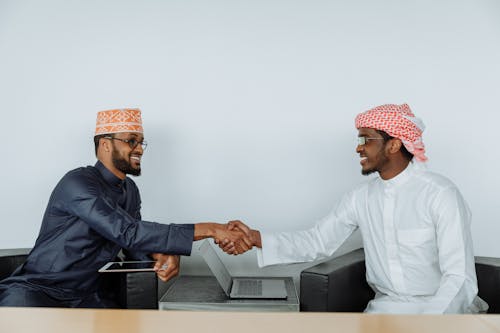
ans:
(257, 241)
(204, 230)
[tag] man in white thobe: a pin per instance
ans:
(415, 224)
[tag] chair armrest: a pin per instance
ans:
(10, 259)
(488, 277)
(336, 285)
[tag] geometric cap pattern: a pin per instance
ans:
(398, 121)
(118, 121)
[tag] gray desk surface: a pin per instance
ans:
(204, 293)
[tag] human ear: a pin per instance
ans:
(104, 144)
(395, 145)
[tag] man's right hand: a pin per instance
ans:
(235, 239)
(236, 225)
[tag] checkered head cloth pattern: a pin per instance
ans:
(398, 121)
(118, 121)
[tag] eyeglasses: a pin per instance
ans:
(133, 143)
(362, 140)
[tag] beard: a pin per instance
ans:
(380, 159)
(367, 172)
(123, 165)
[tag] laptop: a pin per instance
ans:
(241, 287)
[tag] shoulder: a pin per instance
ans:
(434, 180)
(364, 186)
(438, 189)
(359, 190)
(80, 180)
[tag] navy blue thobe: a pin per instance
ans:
(90, 217)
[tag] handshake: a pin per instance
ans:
(235, 237)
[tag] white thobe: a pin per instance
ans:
(417, 240)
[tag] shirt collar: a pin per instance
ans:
(108, 176)
(401, 178)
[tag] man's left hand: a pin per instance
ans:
(167, 266)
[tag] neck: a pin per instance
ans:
(392, 169)
(110, 166)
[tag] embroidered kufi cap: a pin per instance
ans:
(118, 121)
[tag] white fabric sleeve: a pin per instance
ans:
(318, 242)
(458, 286)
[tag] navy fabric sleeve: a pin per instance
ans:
(84, 198)
(136, 254)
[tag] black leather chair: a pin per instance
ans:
(339, 285)
(132, 290)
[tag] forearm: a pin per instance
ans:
(455, 295)
(300, 246)
(205, 230)
(256, 238)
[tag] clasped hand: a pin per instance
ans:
(235, 238)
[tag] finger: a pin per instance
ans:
(169, 270)
(161, 275)
(229, 249)
(157, 266)
(242, 226)
(248, 242)
(228, 246)
(242, 245)
(172, 274)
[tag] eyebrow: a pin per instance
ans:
(133, 135)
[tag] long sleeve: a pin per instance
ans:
(318, 242)
(458, 286)
(137, 255)
(86, 200)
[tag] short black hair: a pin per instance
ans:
(404, 151)
(99, 137)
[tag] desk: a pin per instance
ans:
(204, 293)
(46, 320)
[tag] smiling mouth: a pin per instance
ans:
(363, 160)
(136, 158)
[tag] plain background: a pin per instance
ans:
(248, 106)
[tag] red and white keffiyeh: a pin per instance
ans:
(398, 121)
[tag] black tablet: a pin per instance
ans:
(128, 266)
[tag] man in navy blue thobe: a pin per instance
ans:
(92, 214)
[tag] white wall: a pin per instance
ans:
(248, 105)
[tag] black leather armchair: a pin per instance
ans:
(339, 285)
(133, 290)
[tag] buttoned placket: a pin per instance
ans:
(390, 235)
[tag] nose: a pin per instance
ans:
(138, 149)
(359, 149)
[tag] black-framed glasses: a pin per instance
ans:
(362, 140)
(133, 143)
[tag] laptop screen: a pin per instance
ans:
(216, 266)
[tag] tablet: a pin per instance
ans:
(128, 266)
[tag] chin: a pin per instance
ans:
(367, 172)
(134, 172)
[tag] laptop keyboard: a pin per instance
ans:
(250, 287)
